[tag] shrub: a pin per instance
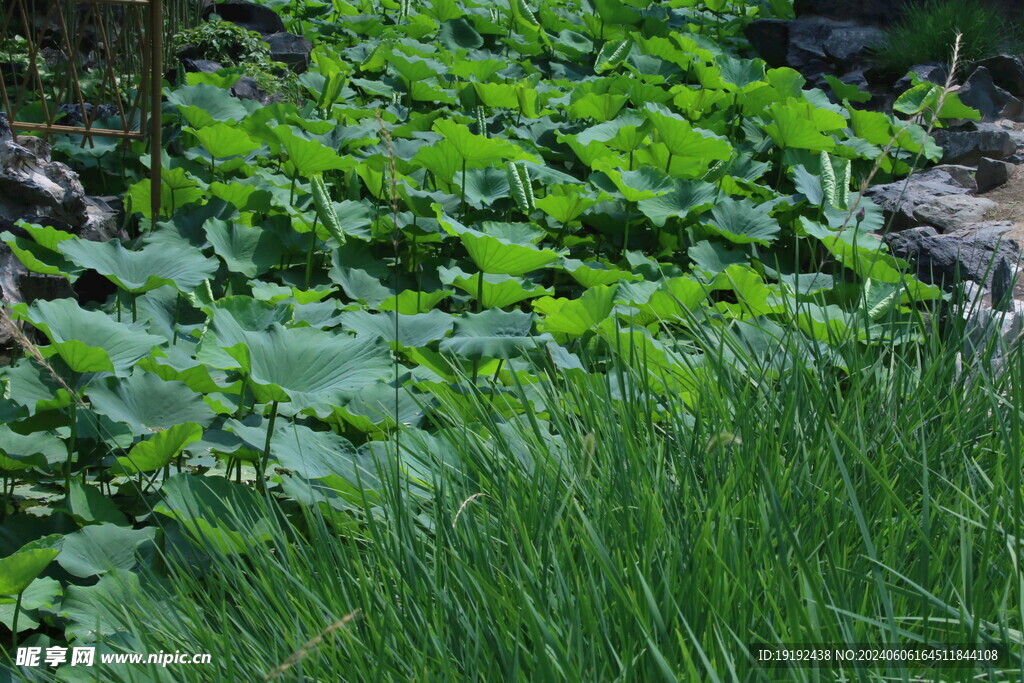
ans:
(928, 28)
(222, 42)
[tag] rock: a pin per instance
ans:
(992, 174)
(75, 115)
(1004, 279)
(203, 66)
(952, 213)
(770, 37)
(900, 200)
(104, 218)
(848, 43)
(969, 146)
(961, 175)
(946, 260)
(1007, 72)
(30, 183)
(931, 72)
(879, 12)
(248, 15)
(981, 93)
(290, 49)
(245, 88)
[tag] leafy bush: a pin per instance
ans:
(928, 29)
(222, 42)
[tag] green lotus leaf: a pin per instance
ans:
(492, 291)
(88, 505)
(643, 183)
(41, 253)
(177, 188)
(690, 197)
(743, 222)
(88, 341)
(407, 330)
(565, 203)
(23, 451)
(148, 403)
(484, 186)
(494, 254)
(597, 107)
(714, 257)
(308, 157)
(478, 151)
(158, 450)
(33, 387)
(206, 105)
(223, 140)
(624, 133)
(799, 125)
(592, 273)
(21, 568)
(181, 266)
(493, 334)
(682, 139)
(250, 251)
(575, 317)
(459, 34)
(102, 548)
(221, 515)
(244, 197)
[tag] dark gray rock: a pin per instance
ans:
(849, 43)
(248, 15)
(969, 146)
(1007, 72)
(946, 260)
(931, 72)
(32, 184)
(77, 115)
(246, 88)
(961, 175)
(992, 174)
(901, 200)
(953, 212)
(290, 49)
(981, 93)
(770, 37)
(203, 66)
(880, 12)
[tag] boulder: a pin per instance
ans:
(203, 66)
(900, 200)
(290, 49)
(992, 174)
(953, 212)
(879, 12)
(964, 176)
(971, 254)
(248, 15)
(981, 93)
(32, 184)
(969, 146)
(849, 43)
(770, 37)
(931, 72)
(1007, 72)
(246, 88)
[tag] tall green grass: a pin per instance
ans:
(621, 535)
(928, 30)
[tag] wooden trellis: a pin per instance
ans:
(65, 64)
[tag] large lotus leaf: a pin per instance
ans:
(484, 186)
(221, 515)
(88, 505)
(206, 105)
(309, 157)
(597, 107)
(158, 450)
(305, 452)
(666, 367)
(102, 548)
(574, 317)
(407, 330)
(148, 403)
(798, 124)
(742, 221)
(754, 297)
(624, 133)
(88, 341)
(675, 298)
(250, 251)
(33, 387)
(40, 254)
(493, 291)
(222, 140)
(180, 266)
(565, 203)
(20, 569)
(43, 594)
(478, 151)
(682, 139)
(22, 451)
(494, 254)
(243, 196)
(688, 197)
(714, 257)
(458, 34)
(177, 188)
(224, 343)
(496, 95)
(732, 74)
(593, 273)
(372, 409)
(635, 186)
(493, 334)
